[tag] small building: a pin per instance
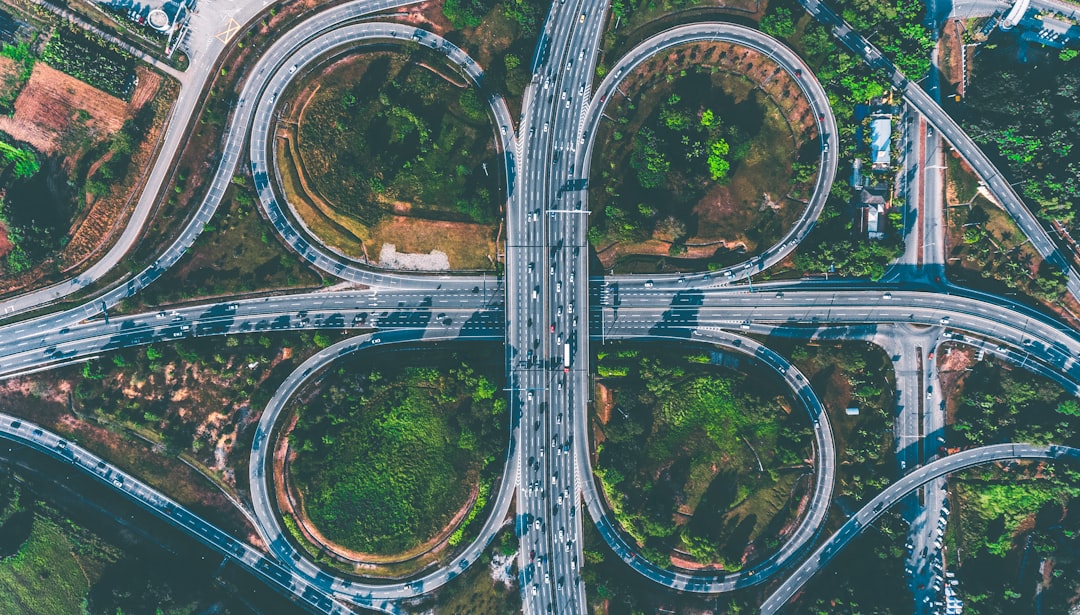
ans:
(852, 411)
(881, 141)
(869, 208)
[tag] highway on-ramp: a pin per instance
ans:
(796, 541)
(896, 492)
(261, 481)
(788, 61)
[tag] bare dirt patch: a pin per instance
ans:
(51, 102)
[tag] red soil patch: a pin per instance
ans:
(5, 243)
(49, 104)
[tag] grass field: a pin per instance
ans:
(44, 576)
(386, 453)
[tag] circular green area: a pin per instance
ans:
(695, 457)
(388, 451)
(393, 148)
(700, 166)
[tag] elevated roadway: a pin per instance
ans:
(988, 174)
(268, 65)
(788, 61)
(294, 63)
(260, 480)
(301, 590)
(547, 292)
(896, 492)
(796, 542)
(206, 52)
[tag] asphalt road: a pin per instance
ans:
(788, 61)
(301, 590)
(813, 517)
(296, 61)
(262, 489)
(988, 174)
(546, 307)
(893, 494)
(205, 48)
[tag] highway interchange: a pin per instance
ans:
(546, 306)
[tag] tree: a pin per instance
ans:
(650, 163)
(778, 23)
(718, 162)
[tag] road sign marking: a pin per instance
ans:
(231, 28)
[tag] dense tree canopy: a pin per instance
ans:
(1027, 116)
(384, 461)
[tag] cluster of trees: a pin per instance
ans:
(683, 434)
(386, 458)
(390, 136)
(870, 577)
(1027, 117)
(899, 28)
(1013, 268)
(683, 148)
(999, 405)
(832, 246)
(867, 372)
(1016, 523)
(527, 14)
(20, 163)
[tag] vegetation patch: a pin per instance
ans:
(1014, 526)
(385, 457)
(692, 458)
(1023, 114)
(237, 253)
(1014, 532)
(984, 241)
(388, 134)
(482, 588)
(84, 56)
(75, 144)
(846, 375)
(176, 415)
(998, 403)
(701, 163)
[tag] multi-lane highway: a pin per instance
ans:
(547, 309)
(543, 308)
